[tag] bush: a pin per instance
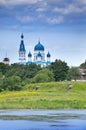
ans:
(12, 83)
(44, 75)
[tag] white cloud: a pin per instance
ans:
(17, 2)
(71, 8)
(51, 20)
(41, 9)
(55, 20)
(49, 11)
(25, 19)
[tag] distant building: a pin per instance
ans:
(6, 60)
(38, 56)
(83, 74)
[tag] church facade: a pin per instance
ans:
(38, 57)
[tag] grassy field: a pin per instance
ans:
(49, 96)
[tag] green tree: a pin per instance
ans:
(31, 70)
(1, 75)
(15, 73)
(59, 69)
(1, 85)
(83, 65)
(17, 70)
(4, 68)
(44, 75)
(74, 73)
(12, 83)
(24, 71)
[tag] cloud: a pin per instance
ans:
(17, 2)
(25, 19)
(41, 9)
(51, 20)
(55, 20)
(41, 12)
(71, 8)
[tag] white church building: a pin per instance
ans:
(39, 55)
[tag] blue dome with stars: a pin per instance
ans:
(39, 47)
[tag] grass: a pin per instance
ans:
(49, 96)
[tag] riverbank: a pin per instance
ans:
(52, 95)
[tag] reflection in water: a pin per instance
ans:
(43, 120)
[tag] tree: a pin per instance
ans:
(59, 69)
(1, 85)
(31, 70)
(23, 71)
(83, 65)
(44, 75)
(74, 73)
(1, 75)
(4, 68)
(12, 83)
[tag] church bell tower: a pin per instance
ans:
(22, 51)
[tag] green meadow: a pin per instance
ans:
(52, 95)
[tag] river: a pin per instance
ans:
(42, 119)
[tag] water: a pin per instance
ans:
(42, 119)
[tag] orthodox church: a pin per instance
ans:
(38, 56)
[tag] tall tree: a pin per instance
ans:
(59, 69)
(4, 68)
(12, 83)
(31, 70)
(83, 65)
(24, 71)
(44, 75)
(74, 73)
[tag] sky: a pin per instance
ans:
(59, 24)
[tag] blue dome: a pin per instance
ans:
(29, 54)
(39, 47)
(48, 54)
(39, 54)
